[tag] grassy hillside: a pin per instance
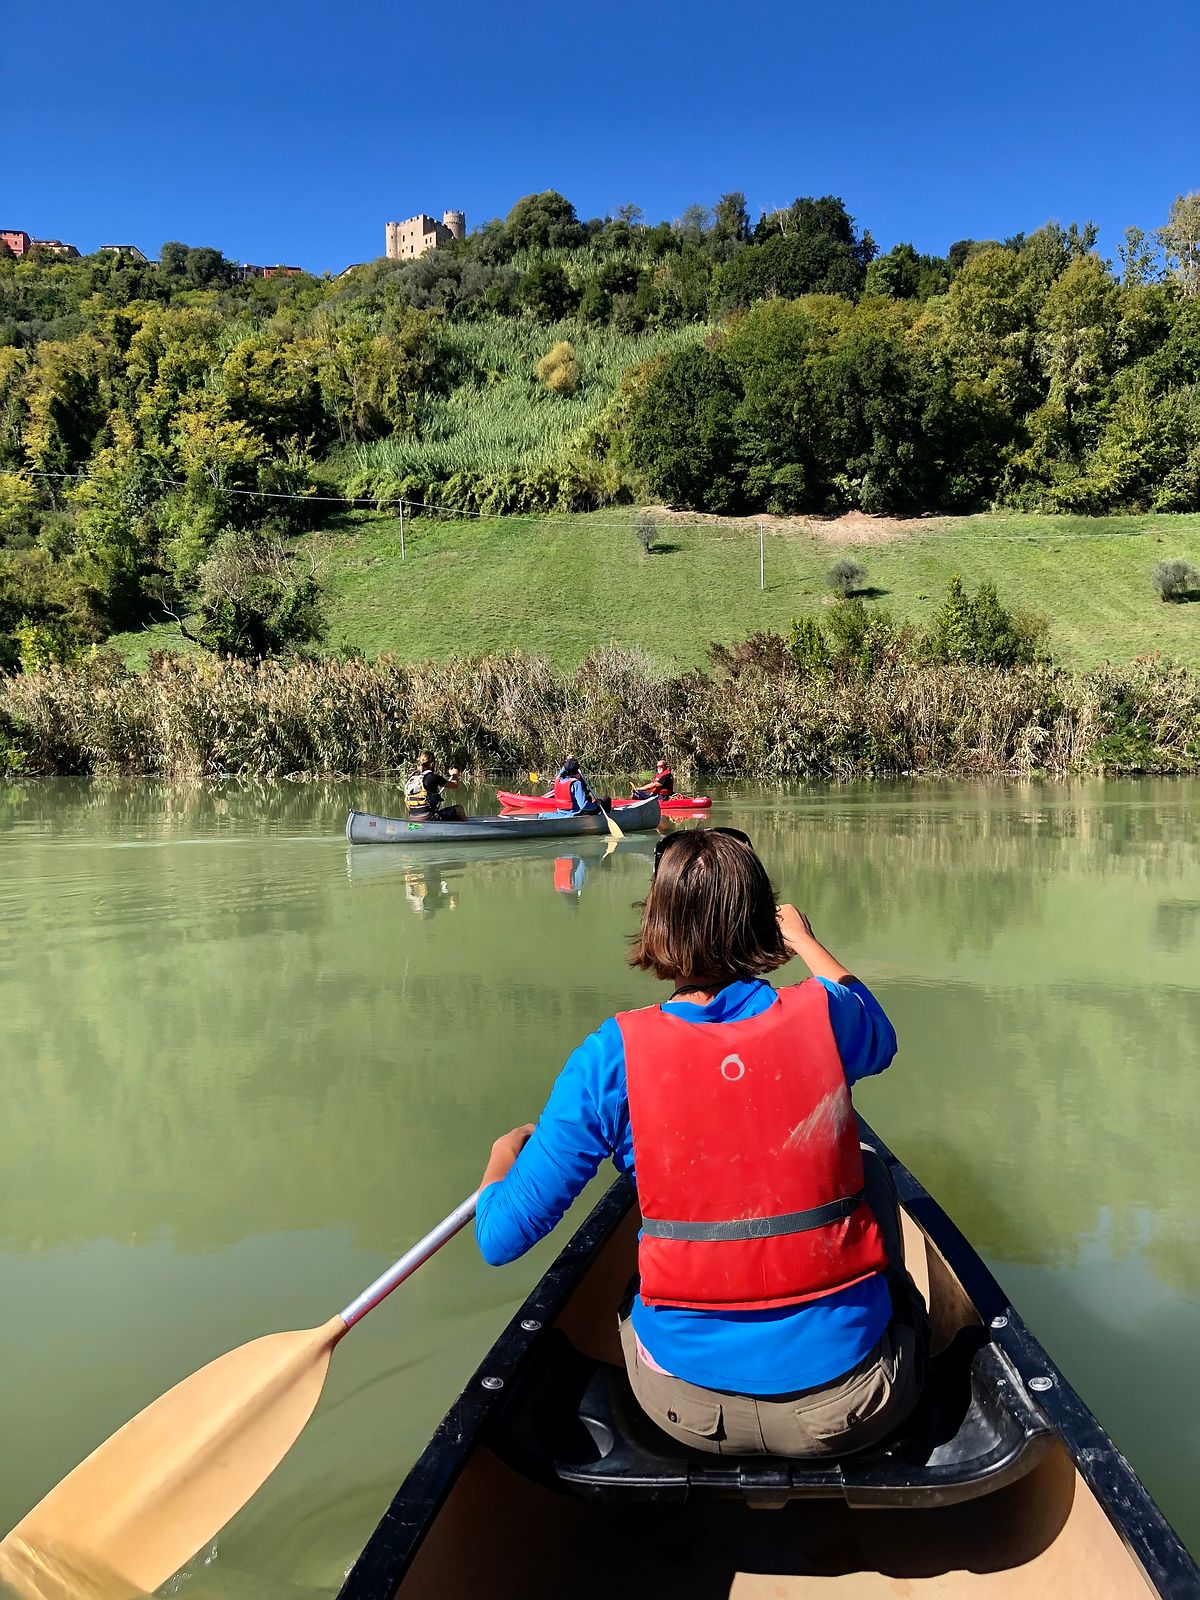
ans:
(561, 585)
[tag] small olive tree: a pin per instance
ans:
(1173, 579)
(645, 529)
(846, 576)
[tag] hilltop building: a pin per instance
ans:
(405, 240)
(124, 250)
(17, 240)
(55, 247)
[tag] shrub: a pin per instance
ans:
(558, 369)
(255, 601)
(846, 575)
(1174, 579)
(979, 631)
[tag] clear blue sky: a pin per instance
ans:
(292, 132)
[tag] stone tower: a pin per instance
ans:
(455, 222)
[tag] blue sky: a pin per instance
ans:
(293, 132)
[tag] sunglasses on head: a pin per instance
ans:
(668, 839)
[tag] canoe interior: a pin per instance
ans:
(499, 1534)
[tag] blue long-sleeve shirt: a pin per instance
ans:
(586, 1120)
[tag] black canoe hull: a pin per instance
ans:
(1157, 1560)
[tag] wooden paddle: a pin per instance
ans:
(158, 1490)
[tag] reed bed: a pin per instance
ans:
(497, 418)
(204, 716)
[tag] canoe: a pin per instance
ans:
(363, 828)
(545, 1480)
(537, 802)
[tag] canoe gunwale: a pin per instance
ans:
(1147, 1535)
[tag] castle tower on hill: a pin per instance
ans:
(406, 240)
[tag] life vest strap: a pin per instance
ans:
(755, 1227)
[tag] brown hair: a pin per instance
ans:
(710, 914)
(425, 760)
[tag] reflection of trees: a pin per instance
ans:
(225, 1037)
(1045, 994)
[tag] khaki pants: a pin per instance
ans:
(855, 1412)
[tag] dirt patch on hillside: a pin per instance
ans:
(852, 527)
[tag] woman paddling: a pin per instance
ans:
(774, 1313)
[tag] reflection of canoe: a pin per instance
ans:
(363, 828)
(369, 865)
(537, 802)
(545, 1479)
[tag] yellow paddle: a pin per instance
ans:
(158, 1490)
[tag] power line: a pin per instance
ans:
(718, 529)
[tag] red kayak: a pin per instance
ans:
(543, 802)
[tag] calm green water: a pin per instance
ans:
(242, 1068)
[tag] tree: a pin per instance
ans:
(545, 221)
(1139, 258)
(545, 292)
(255, 600)
(980, 631)
(1180, 240)
(1175, 579)
(811, 247)
(846, 575)
(682, 434)
(731, 219)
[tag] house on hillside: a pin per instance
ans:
(17, 240)
(127, 252)
(55, 247)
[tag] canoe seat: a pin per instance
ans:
(975, 1431)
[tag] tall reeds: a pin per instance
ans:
(203, 716)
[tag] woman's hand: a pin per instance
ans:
(504, 1152)
(802, 941)
(795, 928)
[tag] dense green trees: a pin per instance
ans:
(153, 415)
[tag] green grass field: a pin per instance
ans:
(561, 585)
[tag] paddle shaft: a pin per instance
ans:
(410, 1261)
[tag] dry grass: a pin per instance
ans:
(202, 716)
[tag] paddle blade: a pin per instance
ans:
(147, 1499)
(612, 826)
(534, 778)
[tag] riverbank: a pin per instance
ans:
(762, 717)
(564, 586)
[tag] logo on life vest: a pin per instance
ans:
(733, 1068)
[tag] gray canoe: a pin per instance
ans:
(363, 828)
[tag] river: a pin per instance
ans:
(243, 1066)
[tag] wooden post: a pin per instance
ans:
(762, 567)
(402, 530)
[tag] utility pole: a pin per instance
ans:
(762, 566)
(402, 530)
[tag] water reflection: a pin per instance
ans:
(244, 1065)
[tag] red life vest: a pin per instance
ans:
(749, 1170)
(562, 794)
(664, 782)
